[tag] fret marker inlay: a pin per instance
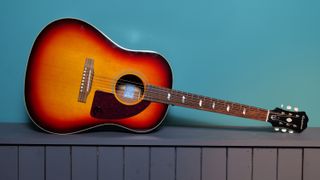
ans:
(169, 96)
(244, 111)
(228, 108)
(183, 99)
(200, 102)
(213, 105)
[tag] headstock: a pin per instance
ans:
(288, 120)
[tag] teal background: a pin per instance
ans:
(257, 52)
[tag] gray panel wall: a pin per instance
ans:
(148, 162)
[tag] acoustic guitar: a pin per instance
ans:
(77, 78)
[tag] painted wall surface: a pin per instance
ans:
(258, 52)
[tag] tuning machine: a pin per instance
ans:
(289, 107)
(291, 131)
(283, 130)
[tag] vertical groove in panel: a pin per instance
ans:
(201, 162)
(71, 177)
(58, 163)
(31, 162)
(311, 163)
(277, 164)
(264, 164)
(124, 163)
(201, 158)
(9, 162)
(18, 154)
(289, 164)
(188, 163)
(136, 163)
(97, 162)
(227, 163)
(149, 162)
(302, 162)
(252, 154)
(110, 163)
(175, 163)
(162, 163)
(84, 163)
(213, 163)
(45, 161)
(239, 163)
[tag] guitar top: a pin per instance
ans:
(77, 78)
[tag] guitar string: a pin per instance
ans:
(150, 94)
(175, 92)
(104, 81)
(167, 90)
(102, 78)
(217, 101)
(159, 99)
(219, 110)
(222, 110)
(236, 106)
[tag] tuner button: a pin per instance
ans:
(283, 130)
(289, 120)
(296, 109)
(289, 107)
(276, 129)
(281, 106)
(291, 131)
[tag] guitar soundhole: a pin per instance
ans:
(129, 89)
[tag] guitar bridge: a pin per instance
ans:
(86, 80)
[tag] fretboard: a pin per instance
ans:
(189, 100)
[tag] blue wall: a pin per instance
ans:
(258, 52)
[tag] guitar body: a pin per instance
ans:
(61, 95)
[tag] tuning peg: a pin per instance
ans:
(291, 131)
(277, 129)
(289, 107)
(296, 109)
(283, 130)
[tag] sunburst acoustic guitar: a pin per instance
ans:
(77, 78)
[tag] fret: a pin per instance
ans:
(190, 100)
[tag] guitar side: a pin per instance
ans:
(56, 67)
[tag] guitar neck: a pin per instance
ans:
(189, 100)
